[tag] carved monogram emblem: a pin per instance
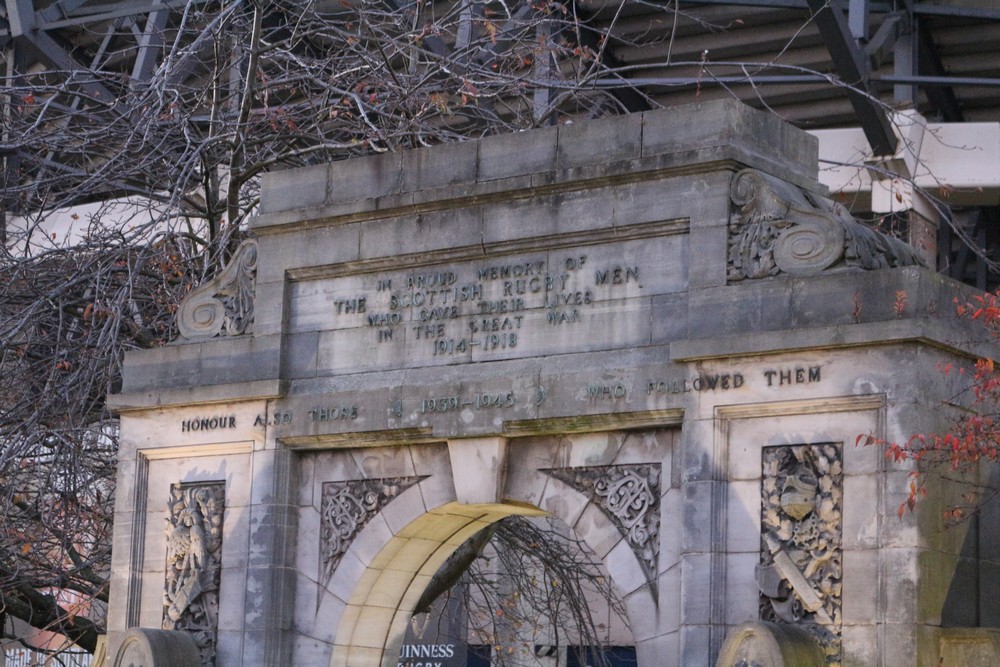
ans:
(630, 496)
(225, 303)
(778, 228)
(194, 546)
(346, 508)
(800, 570)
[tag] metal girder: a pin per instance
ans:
(60, 9)
(850, 64)
(23, 24)
(857, 19)
(884, 38)
(20, 16)
(51, 51)
(149, 44)
(957, 12)
(929, 63)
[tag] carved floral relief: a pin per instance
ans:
(800, 571)
(194, 560)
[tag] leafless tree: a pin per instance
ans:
(155, 145)
(154, 152)
(526, 582)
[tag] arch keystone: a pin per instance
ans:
(478, 466)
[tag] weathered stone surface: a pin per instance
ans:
(769, 644)
(557, 322)
(143, 647)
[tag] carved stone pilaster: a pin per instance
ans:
(777, 228)
(225, 303)
(346, 508)
(629, 495)
(194, 563)
(800, 569)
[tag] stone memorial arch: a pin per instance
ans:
(655, 328)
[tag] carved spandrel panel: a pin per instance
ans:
(629, 495)
(194, 563)
(800, 569)
(346, 508)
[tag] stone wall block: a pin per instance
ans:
(301, 352)
(316, 246)
(643, 615)
(598, 531)
(695, 197)
(901, 597)
(950, 590)
(860, 601)
(426, 232)
(305, 187)
(232, 598)
(310, 651)
(269, 307)
(161, 367)
(742, 595)
(757, 138)
(598, 142)
(696, 591)
(118, 606)
(545, 215)
(432, 460)
(670, 529)
(743, 517)
(863, 522)
(662, 650)
(626, 570)
(860, 645)
(369, 178)
(989, 593)
(697, 533)
(524, 481)
(696, 647)
(408, 507)
(447, 164)
(563, 502)
(246, 359)
(517, 153)
(759, 307)
(711, 242)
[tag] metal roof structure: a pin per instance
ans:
(818, 64)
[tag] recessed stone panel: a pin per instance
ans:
(573, 299)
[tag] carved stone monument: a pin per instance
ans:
(658, 331)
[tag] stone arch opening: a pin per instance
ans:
(379, 611)
(374, 623)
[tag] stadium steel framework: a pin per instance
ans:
(819, 64)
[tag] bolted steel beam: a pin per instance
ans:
(849, 62)
(929, 63)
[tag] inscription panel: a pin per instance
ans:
(502, 307)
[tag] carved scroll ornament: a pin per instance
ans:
(225, 303)
(777, 228)
(194, 562)
(629, 495)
